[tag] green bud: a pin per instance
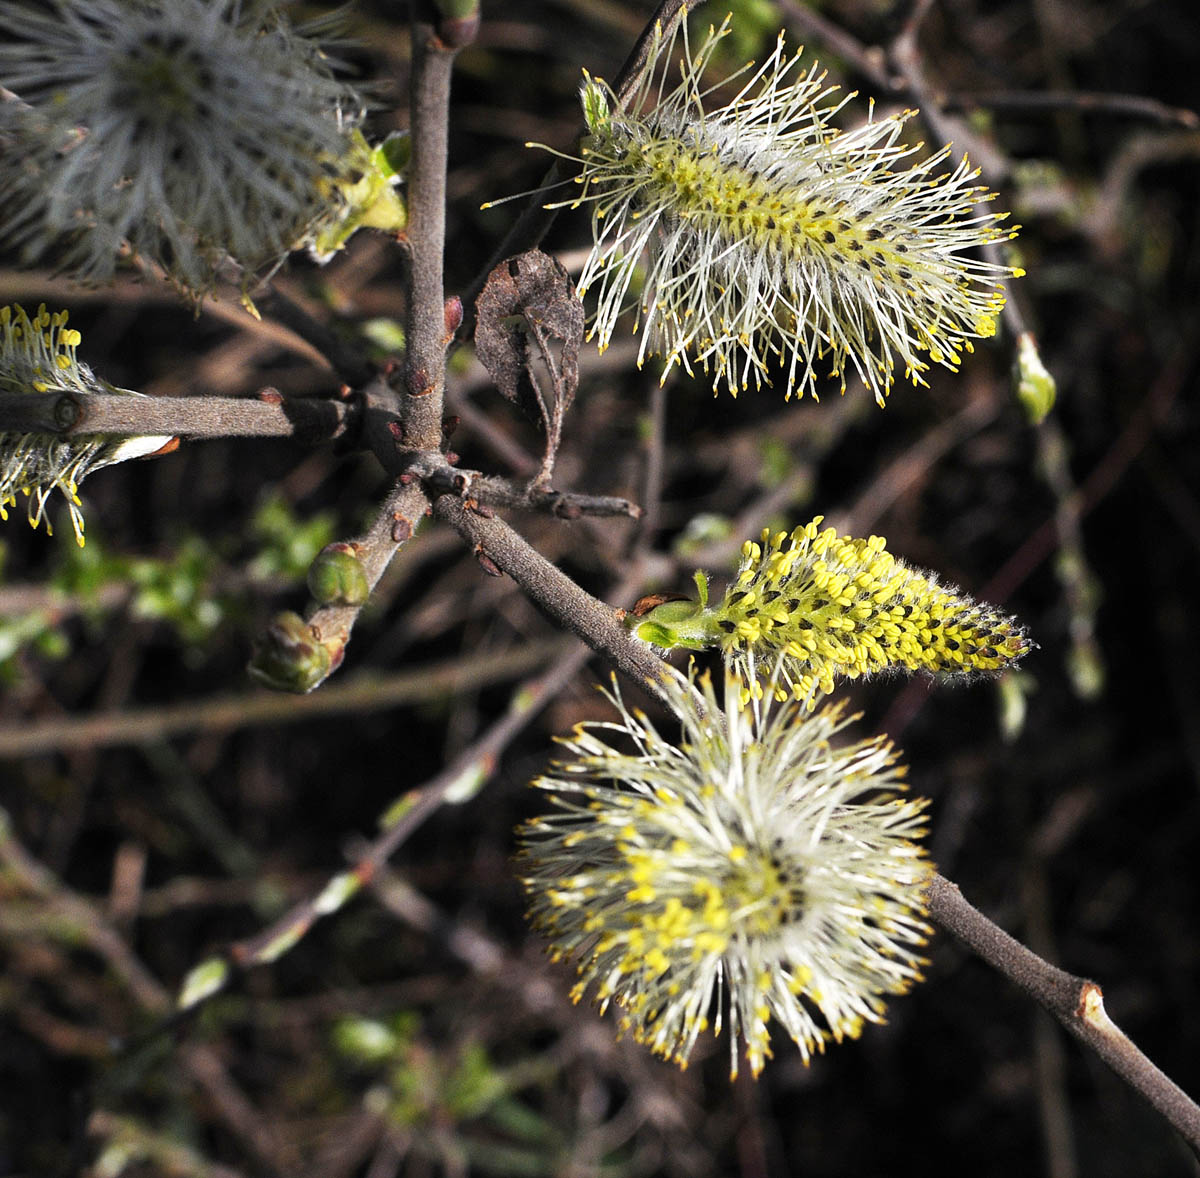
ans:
(365, 1040)
(1013, 690)
(1036, 387)
(289, 656)
(203, 981)
(337, 577)
(671, 624)
(669, 620)
(459, 22)
(1085, 665)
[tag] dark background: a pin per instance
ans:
(1079, 833)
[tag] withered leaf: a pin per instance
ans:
(529, 309)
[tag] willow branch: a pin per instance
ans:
(226, 713)
(1076, 1002)
(426, 319)
(499, 549)
(494, 491)
(63, 413)
(1134, 106)
(500, 492)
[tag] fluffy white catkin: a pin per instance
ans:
(774, 243)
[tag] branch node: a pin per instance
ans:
(67, 412)
(402, 528)
(486, 563)
(1091, 1007)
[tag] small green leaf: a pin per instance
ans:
(203, 981)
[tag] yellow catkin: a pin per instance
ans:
(827, 607)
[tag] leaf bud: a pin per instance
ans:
(290, 656)
(337, 577)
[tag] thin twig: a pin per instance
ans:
(78, 918)
(66, 413)
(460, 780)
(86, 924)
(535, 219)
(129, 1137)
(870, 61)
(914, 463)
(905, 54)
(654, 466)
(499, 549)
(494, 491)
(347, 361)
(426, 319)
(363, 694)
(562, 504)
(1076, 1002)
(502, 446)
(1134, 106)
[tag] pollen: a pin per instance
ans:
(831, 607)
(777, 247)
(795, 901)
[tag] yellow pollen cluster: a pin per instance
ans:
(45, 339)
(822, 607)
(755, 873)
(836, 606)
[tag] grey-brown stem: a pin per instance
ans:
(63, 413)
(427, 331)
(1076, 1002)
